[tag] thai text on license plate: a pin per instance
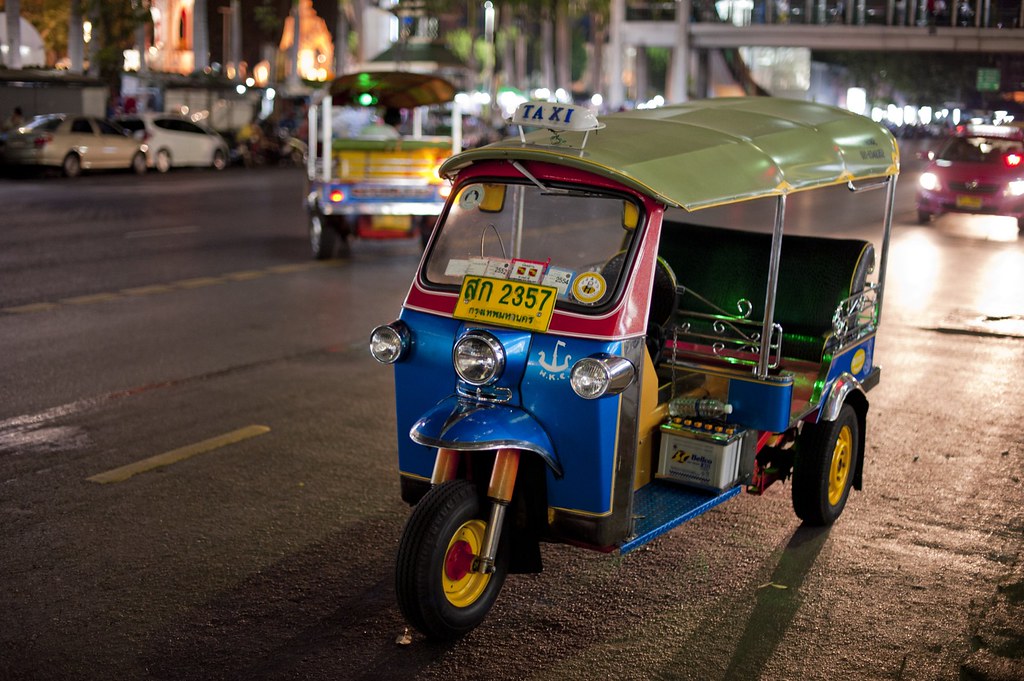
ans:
(503, 302)
(963, 201)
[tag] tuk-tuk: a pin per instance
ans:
(376, 183)
(582, 359)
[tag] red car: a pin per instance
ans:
(979, 170)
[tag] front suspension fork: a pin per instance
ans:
(499, 491)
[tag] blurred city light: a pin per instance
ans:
(857, 100)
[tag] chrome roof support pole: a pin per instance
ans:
(764, 358)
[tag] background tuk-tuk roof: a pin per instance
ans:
(396, 89)
(715, 151)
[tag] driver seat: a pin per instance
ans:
(664, 302)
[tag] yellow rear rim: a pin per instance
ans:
(462, 586)
(839, 471)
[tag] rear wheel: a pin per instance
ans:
(72, 165)
(826, 458)
(220, 160)
(322, 237)
(438, 591)
(163, 161)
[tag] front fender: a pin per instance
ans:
(467, 425)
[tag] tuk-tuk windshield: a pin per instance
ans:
(575, 241)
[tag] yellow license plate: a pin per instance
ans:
(505, 302)
(398, 222)
(968, 201)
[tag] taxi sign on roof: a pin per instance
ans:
(555, 116)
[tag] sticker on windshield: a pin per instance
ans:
(560, 278)
(589, 287)
(528, 270)
(471, 197)
(488, 267)
(456, 267)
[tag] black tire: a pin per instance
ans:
(826, 458)
(322, 237)
(220, 160)
(1020, 225)
(71, 166)
(139, 164)
(923, 217)
(163, 161)
(442, 605)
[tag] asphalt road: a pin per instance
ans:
(179, 315)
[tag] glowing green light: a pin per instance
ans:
(366, 99)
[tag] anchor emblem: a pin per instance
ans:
(555, 369)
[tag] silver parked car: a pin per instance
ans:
(175, 140)
(73, 143)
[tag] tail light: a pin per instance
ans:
(42, 140)
(1013, 160)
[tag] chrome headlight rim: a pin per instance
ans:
(389, 343)
(613, 375)
(497, 359)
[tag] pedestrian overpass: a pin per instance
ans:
(694, 28)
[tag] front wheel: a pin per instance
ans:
(826, 458)
(220, 160)
(438, 590)
(923, 217)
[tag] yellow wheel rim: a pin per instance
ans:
(839, 471)
(462, 586)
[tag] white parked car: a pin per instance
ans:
(175, 141)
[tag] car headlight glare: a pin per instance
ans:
(929, 181)
(479, 358)
(594, 377)
(389, 343)
(1017, 188)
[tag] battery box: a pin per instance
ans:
(700, 454)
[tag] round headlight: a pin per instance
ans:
(594, 377)
(388, 343)
(929, 181)
(479, 358)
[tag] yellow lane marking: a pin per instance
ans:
(198, 282)
(147, 290)
(86, 300)
(34, 307)
(175, 455)
(292, 267)
(245, 275)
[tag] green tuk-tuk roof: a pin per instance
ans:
(397, 89)
(710, 152)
